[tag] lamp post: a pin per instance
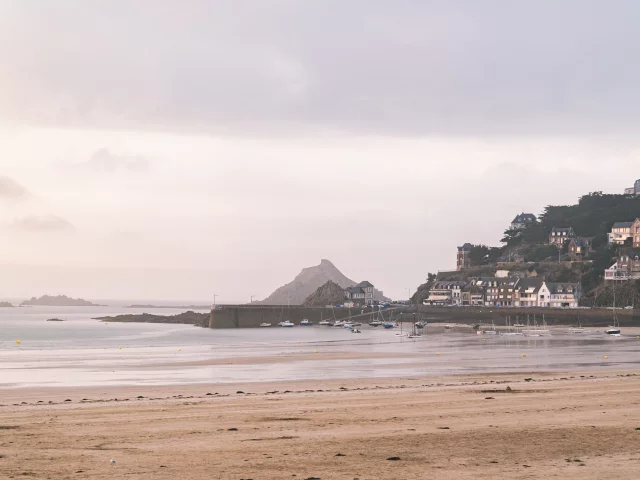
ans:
(251, 301)
(214, 301)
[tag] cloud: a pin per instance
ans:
(42, 223)
(364, 66)
(10, 189)
(103, 161)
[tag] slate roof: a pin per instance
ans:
(465, 248)
(364, 284)
(555, 287)
(524, 218)
(622, 225)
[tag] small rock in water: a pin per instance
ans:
(444, 428)
(393, 459)
(233, 430)
(340, 455)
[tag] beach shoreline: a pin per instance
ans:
(572, 424)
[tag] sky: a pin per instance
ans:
(172, 150)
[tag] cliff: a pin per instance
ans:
(58, 301)
(328, 294)
(307, 282)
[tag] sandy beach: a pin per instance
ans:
(573, 425)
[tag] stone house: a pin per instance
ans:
(635, 230)
(579, 248)
(360, 293)
(559, 235)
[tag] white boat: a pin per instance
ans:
(306, 323)
(263, 325)
(448, 326)
(287, 324)
(614, 330)
(577, 330)
(348, 325)
(519, 325)
(339, 323)
(414, 335)
(324, 322)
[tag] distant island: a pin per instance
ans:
(177, 307)
(5, 305)
(58, 301)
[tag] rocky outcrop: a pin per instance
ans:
(5, 305)
(328, 294)
(191, 318)
(307, 282)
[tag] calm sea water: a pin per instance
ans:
(84, 352)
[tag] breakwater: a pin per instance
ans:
(249, 316)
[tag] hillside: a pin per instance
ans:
(58, 301)
(307, 282)
(328, 294)
(525, 252)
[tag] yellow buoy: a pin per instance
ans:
(315, 351)
(606, 357)
(106, 323)
(437, 353)
(523, 355)
(18, 342)
(179, 349)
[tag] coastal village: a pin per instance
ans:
(517, 283)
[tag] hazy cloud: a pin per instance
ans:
(365, 66)
(103, 161)
(42, 224)
(10, 189)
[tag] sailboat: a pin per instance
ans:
(614, 330)
(492, 331)
(510, 331)
(414, 333)
(578, 329)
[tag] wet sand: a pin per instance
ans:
(577, 425)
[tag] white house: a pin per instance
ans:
(563, 295)
(620, 232)
(544, 296)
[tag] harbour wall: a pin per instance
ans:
(251, 316)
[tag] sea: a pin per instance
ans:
(82, 351)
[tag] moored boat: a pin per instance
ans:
(306, 323)
(264, 325)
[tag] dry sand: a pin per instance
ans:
(556, 425)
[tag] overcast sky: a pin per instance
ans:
(172, 150)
